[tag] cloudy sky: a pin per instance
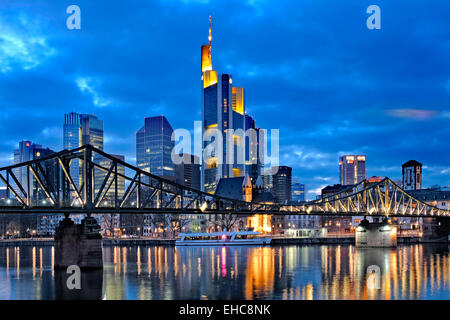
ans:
(311, 68)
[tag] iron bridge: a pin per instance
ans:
(87, 180)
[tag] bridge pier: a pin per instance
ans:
(78, 244)
(375, 234)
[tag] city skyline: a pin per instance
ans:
(392, 99)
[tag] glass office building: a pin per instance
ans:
(28, 151)
(154, 147)
(282, 183)
(79, 130)
(352, 169)
(223, 109)
(91, 131)
(298, 192)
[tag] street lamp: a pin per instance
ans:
(139, 232)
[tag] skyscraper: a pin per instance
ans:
(91, 131)
(109, 222)
(282, 182)
(254, 161)
(188, 172)
(82, 129)
(28, 151)
(154, 147)
(79, 130)
(352, 169)
(223, 109)
(298, 192)
(101, 175)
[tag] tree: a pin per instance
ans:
(226, 221)
(13, 228)
(176, 222)
(109, 223)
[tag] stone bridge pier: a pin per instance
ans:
(375, 234)
(78, 244)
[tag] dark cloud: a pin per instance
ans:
(311, 69)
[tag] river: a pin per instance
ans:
(417, 271)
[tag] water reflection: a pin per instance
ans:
(294, 272)
(91, 285)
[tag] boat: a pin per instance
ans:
(226, 238)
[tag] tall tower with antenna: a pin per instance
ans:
(223, 109)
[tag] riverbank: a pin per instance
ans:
(47, 242)
(170, 242)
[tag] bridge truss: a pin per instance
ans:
(90, 181)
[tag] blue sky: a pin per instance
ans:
(311, 69)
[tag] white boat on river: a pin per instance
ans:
(227, 238)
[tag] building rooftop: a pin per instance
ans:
(411, 163)
(335, 189)
(232, 187)
(430, 194)
(264, 197)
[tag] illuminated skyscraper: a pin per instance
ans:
(79, 130)
(282, 184)
(109, 222)
(101, 175)
(223, 109)
(91, 131)
(298, 192)
(154, 147)
(352, 169)
(28, 151)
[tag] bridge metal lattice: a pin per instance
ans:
(371, 198)
(88, 180)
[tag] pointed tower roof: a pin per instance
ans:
(412, 163)
(247, 182)
(259, 183)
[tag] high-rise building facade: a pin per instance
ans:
(298, 192)
(82, 129)
(254, 152)
(109, 222)
(223, 110)
(282, 184)
(91, 131)
(28, 151)
(412, 175)
(188, 172)
(154, 147)
(100, 175)
(79, 130)
(352, 169)
(3, 193)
